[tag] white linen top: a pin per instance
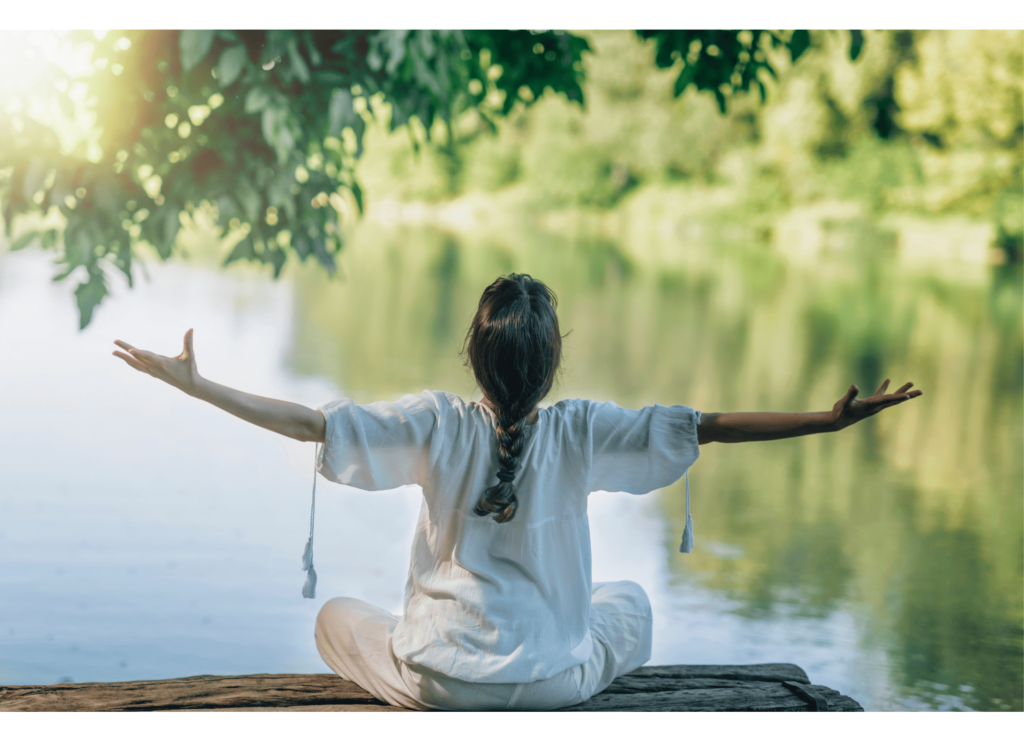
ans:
(493, 602)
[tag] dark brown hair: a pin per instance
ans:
(515, 349)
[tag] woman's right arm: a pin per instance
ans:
(283, 417)
(741, 427)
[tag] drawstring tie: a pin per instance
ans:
(309, 588)
(687, 545)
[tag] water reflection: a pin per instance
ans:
(886, 560)
(911, 521)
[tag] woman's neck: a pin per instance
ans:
(530, 419)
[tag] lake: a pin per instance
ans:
(147, 535)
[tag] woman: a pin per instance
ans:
(500, 611)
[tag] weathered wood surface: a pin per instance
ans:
(753, 687)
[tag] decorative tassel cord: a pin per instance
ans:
(309, 588)
(687, 545)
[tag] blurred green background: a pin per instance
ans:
(864, 223)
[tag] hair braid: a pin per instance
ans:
(515, 349)
(501, 498)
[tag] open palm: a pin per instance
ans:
(179, 371)
(850, 409)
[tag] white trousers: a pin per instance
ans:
(354, 639)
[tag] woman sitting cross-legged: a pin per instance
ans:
(500, 612)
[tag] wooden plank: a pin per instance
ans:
(755, 687)
(753, 672)
(756, 697)
(628, 685)
(192, 693)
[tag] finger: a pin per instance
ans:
(872, 411)
(146, 355)
(845, 400)
(882, 388)
(903, 388)
(188, 344)
(123, 345)
(891, 402)
(883, 401)
(150, 360)
(132, 362)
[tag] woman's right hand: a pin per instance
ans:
(179, 371)
(850, 410)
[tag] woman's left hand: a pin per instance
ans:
(850, 409)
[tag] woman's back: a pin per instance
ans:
(502, 602)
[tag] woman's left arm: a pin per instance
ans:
(283, 417)
(741, 427)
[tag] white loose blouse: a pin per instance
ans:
(502, 602)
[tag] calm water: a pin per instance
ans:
(146, 535)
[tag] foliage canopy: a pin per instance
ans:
(268, 126)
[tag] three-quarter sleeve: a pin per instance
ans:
(640, 450)
(378, 446)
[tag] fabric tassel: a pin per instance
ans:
(309, 588)
(307, 555)
(687, 544)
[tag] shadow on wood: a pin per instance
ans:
(752, 687)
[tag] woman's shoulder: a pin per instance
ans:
(568, 411)
(452, 406)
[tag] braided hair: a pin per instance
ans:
(514, 349)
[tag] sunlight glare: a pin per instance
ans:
(22, 62)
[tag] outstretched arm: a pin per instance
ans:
(292, 420)
(741, 427)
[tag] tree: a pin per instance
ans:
(267, 126)
(728, 62)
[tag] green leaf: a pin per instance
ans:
(241, 251)
(331, 77)
(278, 258)
(340, 113)
(258, 99)
(684, 80)
(232, 62)
(68, 270)
(302, 245)
(49, 239)
(24, 240)
(89, 295)
(856, 44)
(299, 68)
(357, 192)
(325, 257)
(315, 57)
(721, 100)
(281, 131)
(172, 223)
(395, 41)
(799, 42)
(194, 45)
(250, 199)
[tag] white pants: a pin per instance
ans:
(354, 639)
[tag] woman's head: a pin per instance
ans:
(514, 347)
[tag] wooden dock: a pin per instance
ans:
(750, 687)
